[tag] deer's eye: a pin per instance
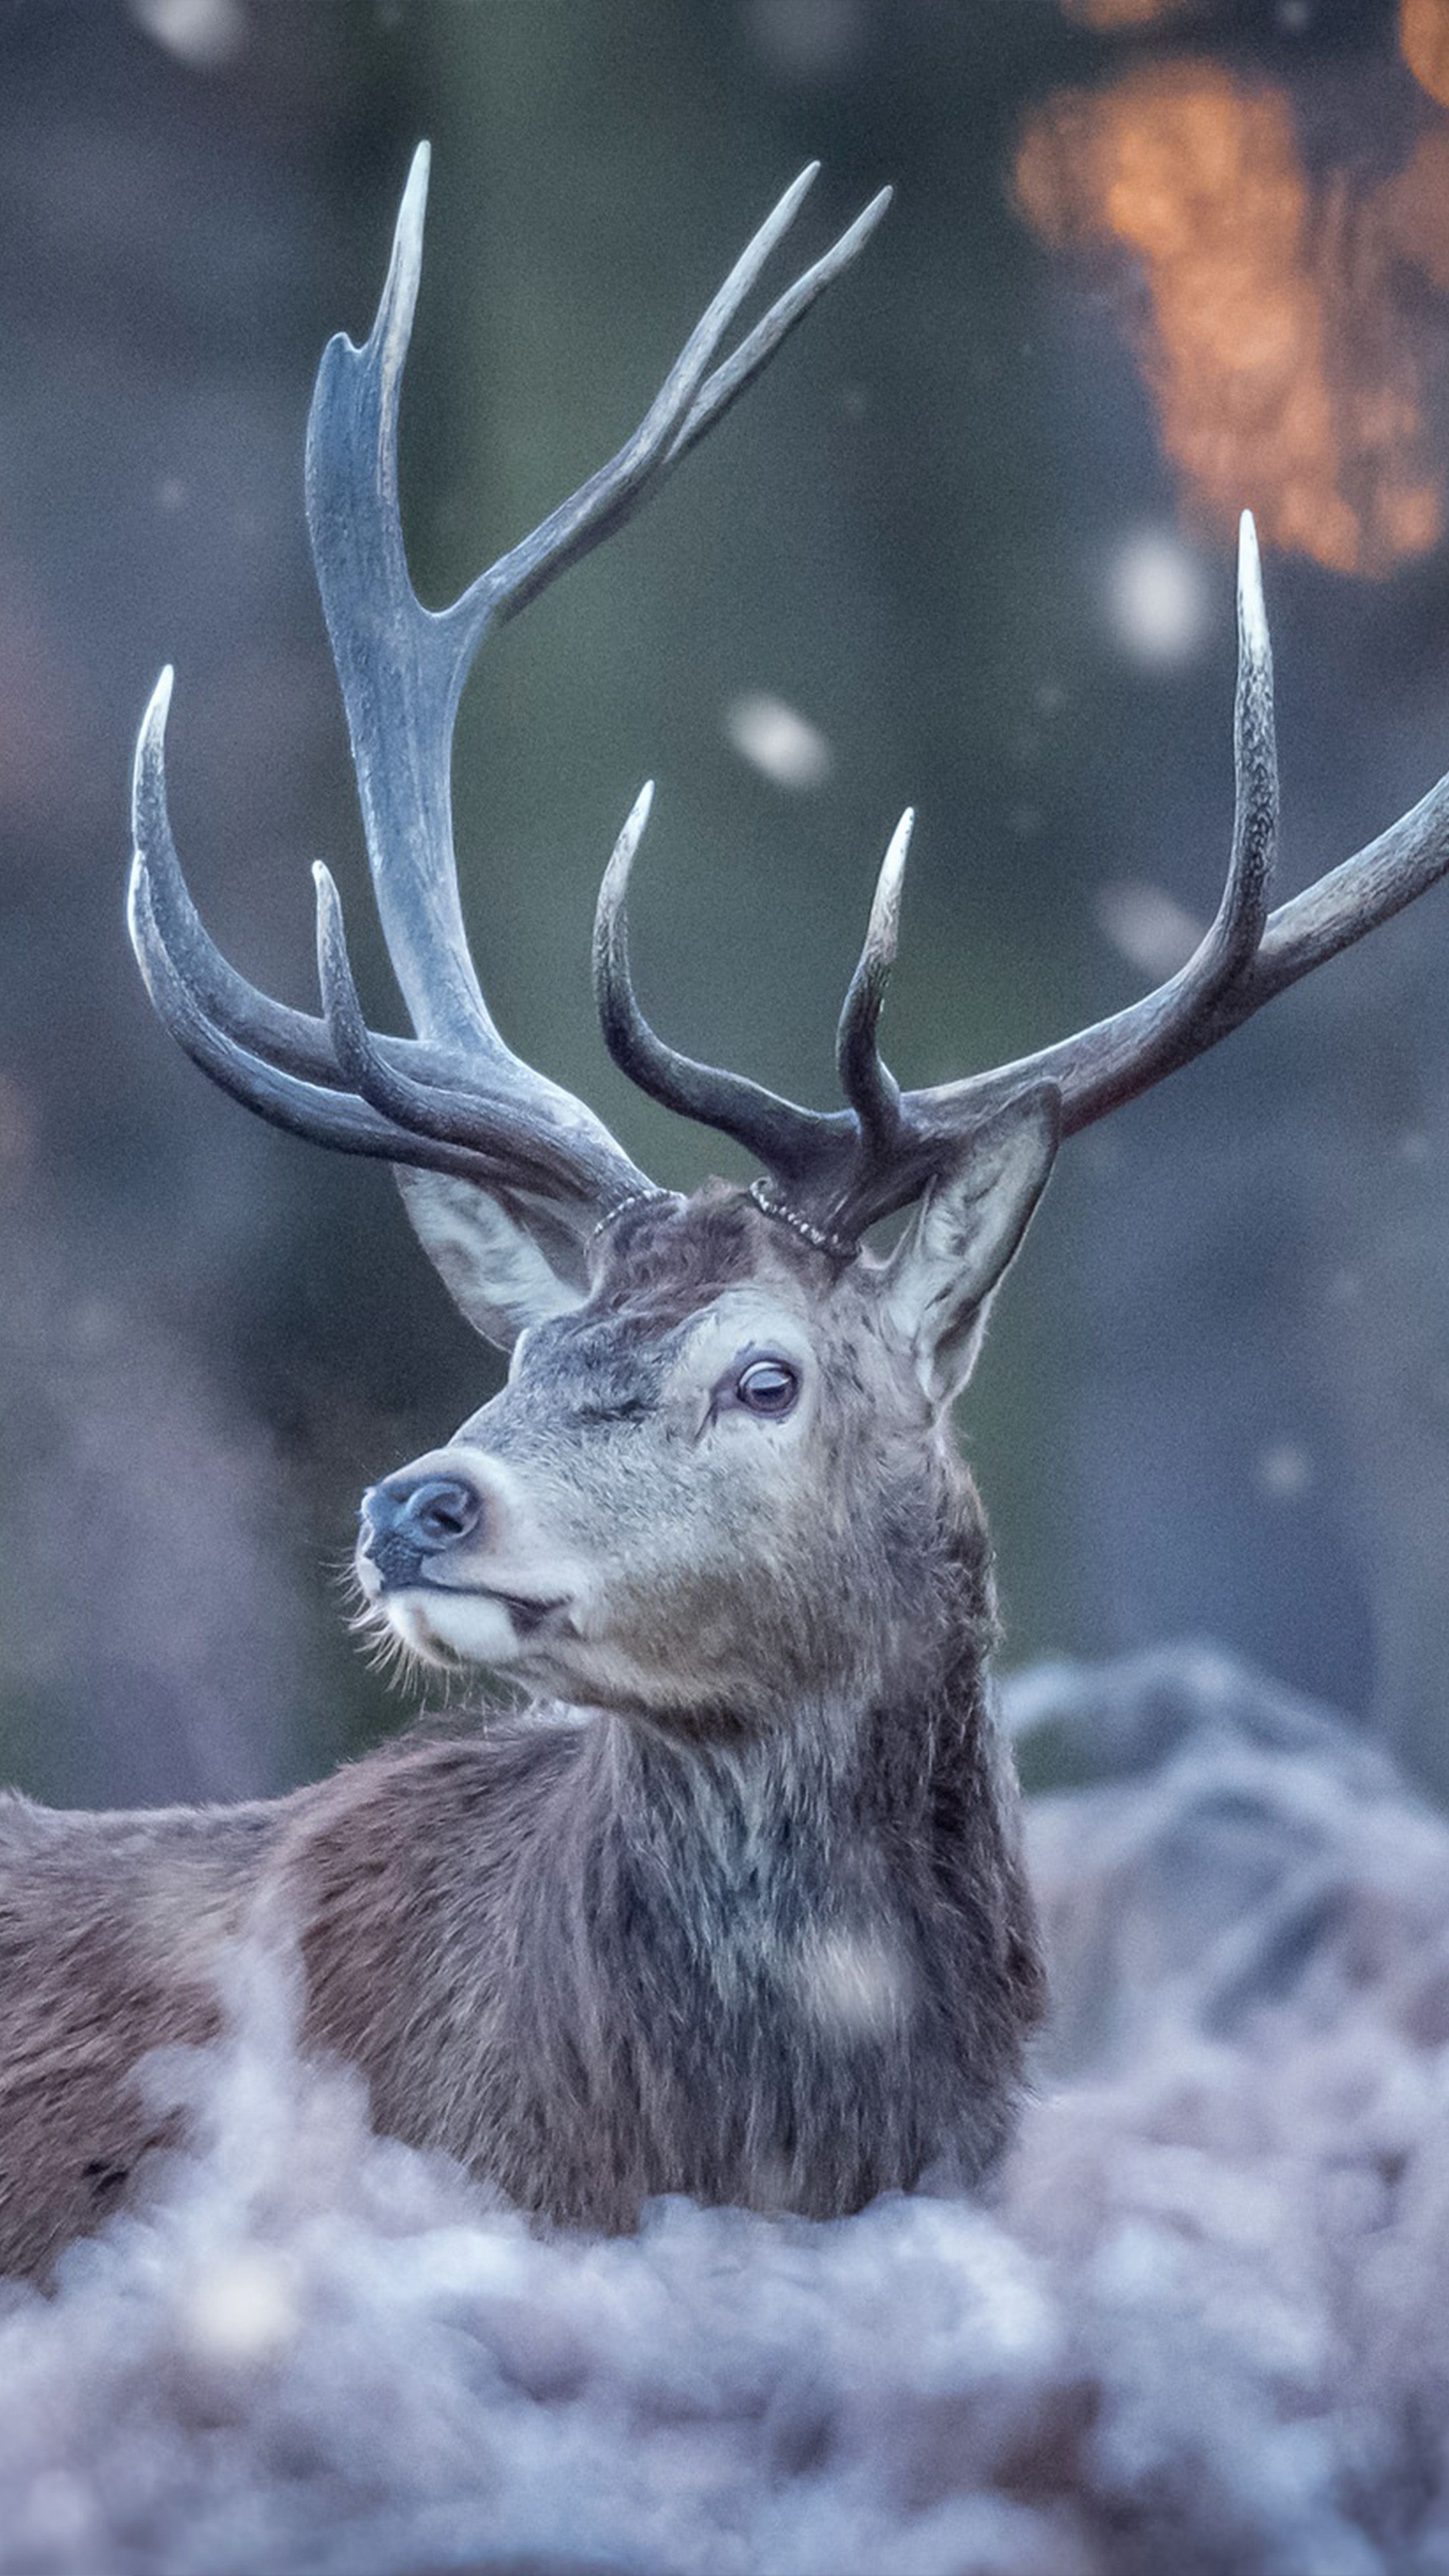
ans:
(767, 1386)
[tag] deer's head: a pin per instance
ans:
(720, 1469)
(716, 1478)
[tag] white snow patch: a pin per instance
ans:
(778, 741)
(1202, 2325)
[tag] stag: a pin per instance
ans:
(732, 1903)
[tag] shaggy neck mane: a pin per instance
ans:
(743, 1836)
(833, 1912)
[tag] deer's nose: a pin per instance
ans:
(417, 1517)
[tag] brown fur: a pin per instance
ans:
(777, 1952)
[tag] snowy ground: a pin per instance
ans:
(1205, 2327)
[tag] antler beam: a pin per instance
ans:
(846, 1169)
(454, 1098)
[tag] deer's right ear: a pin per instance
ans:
(507, 1263)
(940, 1277)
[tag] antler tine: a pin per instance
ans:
(402, 669)
(728, 382)
(292, 1042)
(1342, 907)
(1117, 1058)
(286, 1100)
(848, 1172)
(399, 674)
(292, 1039)
(519, 1151)
(410, 695)
(1244, 961)
(869, 1086)
(784, 1138)
(686, 406)
(321, 1107)
(844, 1172)
(296, 1070)
(455, 1098)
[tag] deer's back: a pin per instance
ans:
(110, 1926)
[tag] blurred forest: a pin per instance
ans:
(969, 546)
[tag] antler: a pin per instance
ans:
(843, 1170)
(454, 1098)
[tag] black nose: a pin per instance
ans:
(413, 1517)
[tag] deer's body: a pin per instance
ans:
(735, 1907)
(111, 1927)
(780, 1954)
(597, 1965)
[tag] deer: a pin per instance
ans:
(728, 1900)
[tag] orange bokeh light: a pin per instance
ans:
(1424, 44)
(1282, 371)
(1109, 15)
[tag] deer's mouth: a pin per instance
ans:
(474, 1623)
(527, 1612)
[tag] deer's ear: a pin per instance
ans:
(939, 1279)
(506, 1261)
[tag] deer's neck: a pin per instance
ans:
(790, 1966)
(733, 1846)
(798, 1966)
(837, 1817)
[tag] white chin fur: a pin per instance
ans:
(477, 1630)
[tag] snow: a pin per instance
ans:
(1203, 2326)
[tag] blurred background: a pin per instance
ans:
(969, 546)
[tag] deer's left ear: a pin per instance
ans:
(938, 1281)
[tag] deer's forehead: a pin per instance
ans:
(747, 1318)
(654, 1348)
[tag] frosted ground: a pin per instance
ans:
(1205, 2325)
